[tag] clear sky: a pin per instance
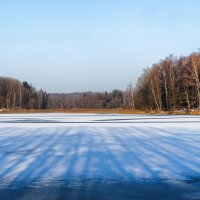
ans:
(92, 45)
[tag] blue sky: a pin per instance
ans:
(92, 45)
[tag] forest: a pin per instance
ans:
(171, 84)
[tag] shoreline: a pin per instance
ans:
(100, 111)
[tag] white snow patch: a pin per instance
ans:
(65, 146)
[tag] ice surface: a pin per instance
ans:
(42, 149)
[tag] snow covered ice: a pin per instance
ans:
(130, 152)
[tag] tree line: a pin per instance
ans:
(21, 95)
(171, 84)
(89, 100)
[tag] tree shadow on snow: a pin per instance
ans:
(101, 163)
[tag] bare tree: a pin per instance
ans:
(130, 96)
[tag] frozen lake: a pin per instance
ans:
(99, 156)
